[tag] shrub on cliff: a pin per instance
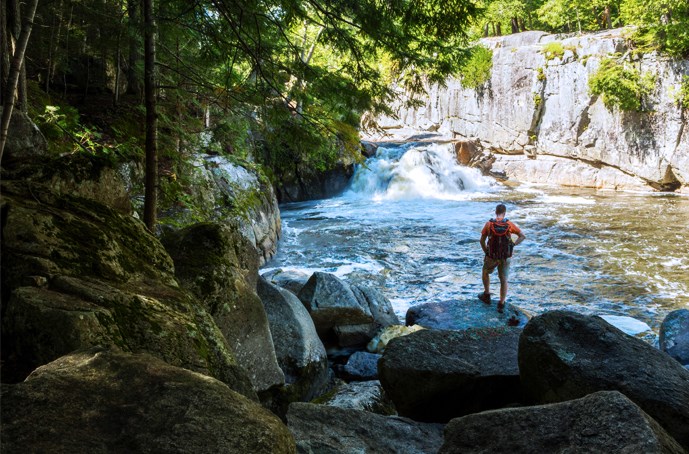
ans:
(621, 85)
(475, 71)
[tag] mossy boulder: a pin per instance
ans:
(77, 274)
(220, 267)
(102, 401)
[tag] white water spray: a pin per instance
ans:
(418, 171)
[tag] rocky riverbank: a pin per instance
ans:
(115, 340)
(536, 120)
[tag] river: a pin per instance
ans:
(411, 220)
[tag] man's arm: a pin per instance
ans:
(484, 246)
(521, 235)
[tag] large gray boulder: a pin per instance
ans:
(300, 352)
(360, 395)
(345, 316)
(331, 430)
(564, 355)
(101, 401)
(461, 315)
(605, 421)
(220, 267)
(674, 335)
(78, 274)
(434, 375)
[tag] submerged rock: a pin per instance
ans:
(605, 421)
(331, 430)
(300, 352)
(674, 335)
(434, 375)
(564, 355)
(461, 315)
(77, 274)
(100, 401)
(220, 267)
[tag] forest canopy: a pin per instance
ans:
(282, 82)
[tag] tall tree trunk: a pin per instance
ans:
(5, 51)
(514, 22)
(151, 184)
(522, 24)
(498, 29)
(15, 70)
(133, 81)
(15, 28)
(607, 20)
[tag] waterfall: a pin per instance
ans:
(413, 171)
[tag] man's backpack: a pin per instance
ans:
(500, 244)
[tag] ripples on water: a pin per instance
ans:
(411, 222)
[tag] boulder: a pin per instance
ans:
(380, 341)
(361, 366)
(307, 183)
(24, 140)
(564, 355)
(605, 421)
(674, 335)
(368, 149)
(300, 352)
(229, 190)
(291, 280)
(360, 395)
(220, 267)
(435, 375)
(331, 430)
(101, 401)
(77, 274)
(345, 316)
(461, 315)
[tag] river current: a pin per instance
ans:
(410, 225)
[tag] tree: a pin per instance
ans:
(151, 184)
(15, 72)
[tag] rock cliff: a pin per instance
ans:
(538, 118)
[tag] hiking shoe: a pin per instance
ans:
(501, 307)
(485, 297)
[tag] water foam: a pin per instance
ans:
(428, 171)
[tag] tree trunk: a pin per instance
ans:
(485, 30)
(15, 71)
(133, 81)
(522, 24)
(514, 22)
(607, 20)
(5, 50)
(151, 184)
(498, 29)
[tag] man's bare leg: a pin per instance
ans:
(486, 281)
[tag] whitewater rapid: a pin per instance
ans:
(410, 223)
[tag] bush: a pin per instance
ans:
(553, 50)
(621, 85)
(475, 71)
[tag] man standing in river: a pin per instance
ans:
(498, 252)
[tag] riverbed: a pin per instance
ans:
(410, 225)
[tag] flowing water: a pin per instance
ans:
(411, 221)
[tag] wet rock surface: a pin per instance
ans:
(674, 335)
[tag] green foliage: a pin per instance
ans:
(552, 50)
(537, 100)
(621, 85)
(540, 74)
(475, 71)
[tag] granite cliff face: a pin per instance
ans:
(540, 121)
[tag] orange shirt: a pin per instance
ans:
(511, 225)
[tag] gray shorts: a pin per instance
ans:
(503, 266)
